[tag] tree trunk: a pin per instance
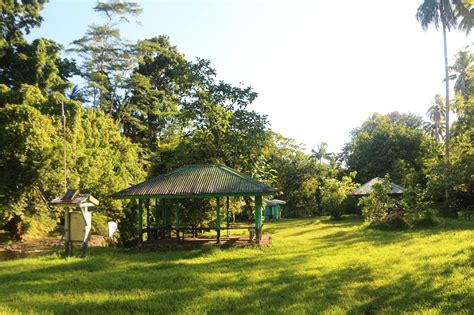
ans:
(446, 80)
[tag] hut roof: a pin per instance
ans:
(274, 202)
(367, 188)
(200, 180)
(72, 198)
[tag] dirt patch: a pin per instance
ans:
(37, 247)
(190, 242)
(48, 245)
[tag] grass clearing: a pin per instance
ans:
(314, 265)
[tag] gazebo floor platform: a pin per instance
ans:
(192, 242)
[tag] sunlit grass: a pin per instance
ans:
(313, 265)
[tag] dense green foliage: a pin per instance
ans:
(297, 176)
(418, 207)
(314, 265)
(100, 160)
(334, 193)
(393, 144)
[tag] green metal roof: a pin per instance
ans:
(197, 181)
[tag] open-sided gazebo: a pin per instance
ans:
(194, 181)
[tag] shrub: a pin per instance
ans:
(417, 207)
(334, 193)
(99, 224)
(127, 227)
(427, 221)
(38, 226)
(394, 220)
(376, 205)
(349, 206)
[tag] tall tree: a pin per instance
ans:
(440, 12)
(106, 57)
(157, 86)
(18, 18)
(219, 121)
(37, 63)
(383, 145)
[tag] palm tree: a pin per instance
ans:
(440, 12)
(465, 11)
(321, 152)
(463, 73)
(462, 70)
(436, 113)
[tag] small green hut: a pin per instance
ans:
(273, 209)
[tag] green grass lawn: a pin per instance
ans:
(314, 265)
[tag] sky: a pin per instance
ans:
(320, 68)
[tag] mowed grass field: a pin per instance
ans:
(314, 265)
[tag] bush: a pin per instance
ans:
(417, 207)
(38, 226)
(427, 221)
(99, 224)
(334, 193)
(394, 220)
(127, 227)
(376, 205)
(350, 206)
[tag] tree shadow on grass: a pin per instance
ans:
(366, 236)
(375, 237)
(412, 294)
(212, 280)
(285, 223)
(184, 288)
(345, 222)
(164, 287)
(293, 222)
(449, 224)
(327, 225)
(153, 283)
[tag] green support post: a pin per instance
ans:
(148, 219)
(227, 216)
(140, 222)
(163, 218)
(167, 219)
(157, 220)
(177, 224)
(218, 220)
(258, 218)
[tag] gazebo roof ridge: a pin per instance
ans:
(366, 188)
(242, 175)
(197, 180)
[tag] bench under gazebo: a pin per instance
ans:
(189, 182)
